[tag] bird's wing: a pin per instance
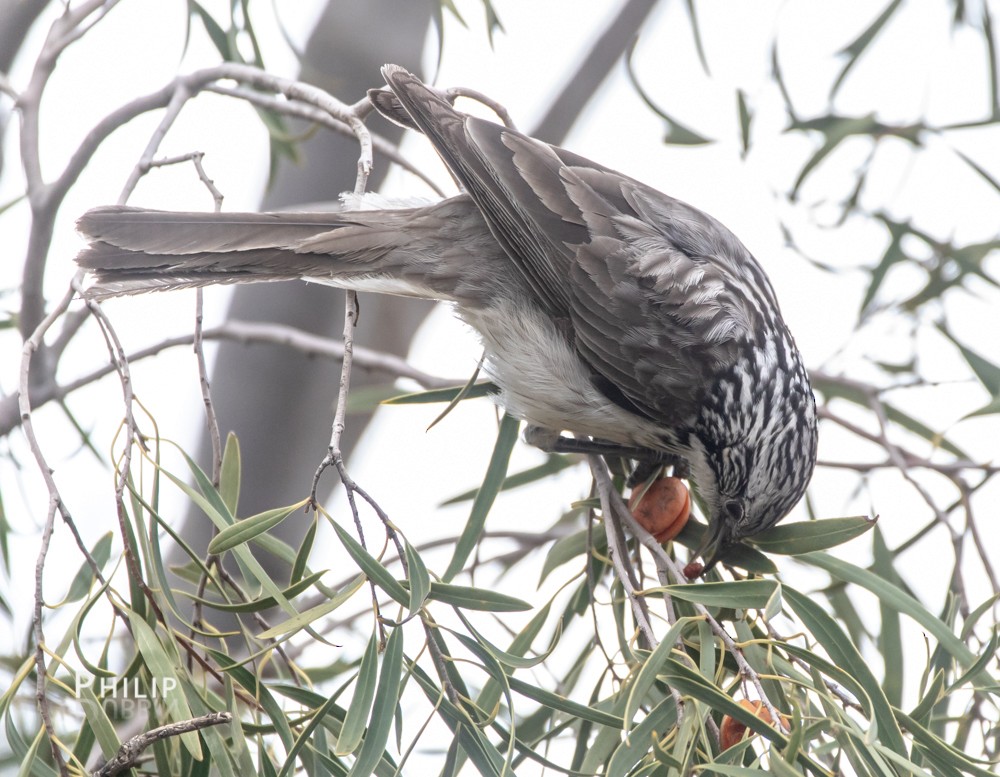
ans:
(647, 281)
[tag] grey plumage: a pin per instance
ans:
(607, 309)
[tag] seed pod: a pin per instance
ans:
(731, 731)
(663, 508)
(693, 570)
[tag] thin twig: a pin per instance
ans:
(619, 555)
(616, 549)
(462, 91)
(307, 112)
(247, 333)
(31, 346)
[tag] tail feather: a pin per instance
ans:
(409, 251)
(134, 250)
(170, 233)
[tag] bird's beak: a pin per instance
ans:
(714, 546)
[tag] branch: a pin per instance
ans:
(130, 751)
(245, 332)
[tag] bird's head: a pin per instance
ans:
(751, 482)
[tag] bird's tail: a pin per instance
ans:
(399, 251)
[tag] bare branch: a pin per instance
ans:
(248, 333)
(131, 750)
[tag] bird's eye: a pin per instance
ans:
(734, 509)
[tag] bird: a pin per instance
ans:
(607, 309)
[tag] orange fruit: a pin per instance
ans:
(663, 508)
(731, 731)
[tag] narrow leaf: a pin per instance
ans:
(895, 598)
(843, 653)
(418, 578)
(386, 698)
(746, 118)
(791, 539)
(161, 668)
(495, 474)
(245, 530)
(301, 620)
(469, 598)
(361, 703)
(444, 395)
(857, 47)
(371, 566)
(742, 594)
(229, 479)
(646, 676)
(80, 586)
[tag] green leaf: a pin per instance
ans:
(262, 693)
(972, 674)
(741, 594)
(935, 693)
(480, 750)
(361, 702)
(243, 531)
(986, 371)
(990, 408)
(792, 539)
(386, 698)
(495, 474)
(519, 646)
(419, 579)
(857, 47)
(677, 133)
(300, 566)
(895, 598)
(469, 598)
(261, 603)
(371, 566)
(839, 675)
(561, 704)
(302, 619)
(662, 718)
(939, 751)
(844, 654)
(486, 389)
(80, 586)
(890, 639)
(696, 34)
(746, 118)
(229, 478)
(509, 661)
(646, 675)
(462, 394)
(567, 548)
(161, 669)
(210, 502)
(688, 681)
(215, 33)
(554, 463)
